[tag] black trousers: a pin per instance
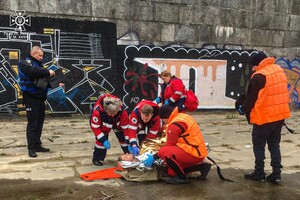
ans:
(267, 134)
(179, 104)
(35, 110)
(100, 153)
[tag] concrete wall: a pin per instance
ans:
(121, 46)
(269, 25)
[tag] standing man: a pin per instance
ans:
(184, 150)
(108, 113)
(34, 98)
(172, 91)
(266, 106)
(144, 123)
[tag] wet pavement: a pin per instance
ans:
(71, 142)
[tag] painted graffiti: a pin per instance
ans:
(79, 54)
(217, 77)
(292, 70)
(92, 62)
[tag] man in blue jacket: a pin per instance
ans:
(34, 98)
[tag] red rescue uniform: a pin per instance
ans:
(138, 129)
(101, 124)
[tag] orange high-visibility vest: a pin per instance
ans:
(273, 100)
(191, 141)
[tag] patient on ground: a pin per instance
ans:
(128, 157)
(129, 161)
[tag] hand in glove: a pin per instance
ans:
(166, 102)
(149, 161)
(240, 110)
(129, 149)
(106, 144)
(135, 150)
(157, 100)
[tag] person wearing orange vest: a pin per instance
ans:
(266, 106)
(184, 150)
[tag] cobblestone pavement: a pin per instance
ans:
(55, 175)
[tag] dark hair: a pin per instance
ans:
(147, 109)
(258, 58)
(165, 111)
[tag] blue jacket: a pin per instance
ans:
(29, 69)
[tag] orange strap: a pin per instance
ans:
(101, 174)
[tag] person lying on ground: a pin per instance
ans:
(128, 160)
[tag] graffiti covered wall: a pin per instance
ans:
(85, 50)
(216, 76)
(88, 54)
(292, 70)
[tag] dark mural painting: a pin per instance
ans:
(85, 50)
(88, 55)
(217, 76)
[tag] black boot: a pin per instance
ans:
(41, 149)
(98, 156)
(176, 180)
(97, 162)
(31, 153)
(204, 169)
(256, 176)
(274, 178)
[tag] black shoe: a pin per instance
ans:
(204, 169)
(32, 153)
(41, 149)
(97, 162)
(176, 180)
(256, 176)
(274, 178)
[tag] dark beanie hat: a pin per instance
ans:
(258, 58)
(165, 111)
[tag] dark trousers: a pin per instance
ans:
(271, 134)
(179, 104)
(100, 152)
(35, 110)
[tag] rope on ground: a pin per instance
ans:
(107, 197)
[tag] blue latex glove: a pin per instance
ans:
(135, 151)
(130, 149)
(149, 161)
(166, 102)
(106, 144)
(240, 110)
(157, 100)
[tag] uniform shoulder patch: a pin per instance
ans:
(134, 120)
(95, 119)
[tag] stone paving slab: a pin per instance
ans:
(71, 142)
